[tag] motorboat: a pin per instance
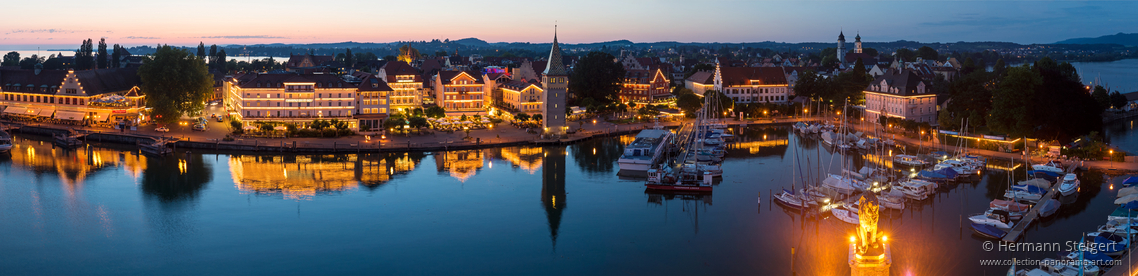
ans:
(689, 180)
(916, 189)
(1109, 243)
(1025, 193)
(155, 148)
(5, 141)
(998, 218)
(909, 160)
(1056, 267)
(1051, 166)
(1049, 207)
(788, 199)
(988, 231)
(645, 151)
(67, 140)
(1090, 258)
(1121, 228)
(845, 214)
(1070, 184)
(893, 199)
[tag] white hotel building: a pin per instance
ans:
(293, 98)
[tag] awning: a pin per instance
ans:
(31, 111)
(46, 112)
(69, 115)
(102, 116)
(16, 110)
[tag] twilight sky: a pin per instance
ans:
(135, 22)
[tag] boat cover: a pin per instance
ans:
(1125, 199)
(1128, 182)
(1127, 191)
(1041, 183)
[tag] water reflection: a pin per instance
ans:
(175, 180)
(598, 155)
(73, 166)
(373, 170)
(527, 158)
(760, 142)
(553, 188)
(460, 164)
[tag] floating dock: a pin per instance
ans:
(1032, 214)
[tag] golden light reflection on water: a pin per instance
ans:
(460, 164)
(301, 177)
(526, 158)
(73, 166)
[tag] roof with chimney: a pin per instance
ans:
(901, 83)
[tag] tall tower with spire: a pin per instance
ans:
(857, 43)
(555, 79)
(841, 46)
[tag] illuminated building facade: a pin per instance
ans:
(900, 94)
(526, 97)
(68, 95)
(406, 84)
(645, 81)
(460, 91)
(752, 84)
(295, 98)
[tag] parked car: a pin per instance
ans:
(199, 127)
(162, 129)
(220, 119)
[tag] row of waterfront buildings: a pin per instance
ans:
(306, 90)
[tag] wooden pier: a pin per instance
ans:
(1032, 214)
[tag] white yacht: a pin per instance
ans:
(909, 160)
(998, 218)
(645, 151)
(1070, 184)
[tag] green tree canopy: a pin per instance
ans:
(597, 76)
(1117, 100)
(927, 53)
(1010, 100)
(175, 83)
(870, 51)
(11, 59)
(1102, 97)
(905, 54)
(103, 53)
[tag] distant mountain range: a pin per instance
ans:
(1119, 38)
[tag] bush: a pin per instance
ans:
(365, 128)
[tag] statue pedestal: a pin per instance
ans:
(870, 265)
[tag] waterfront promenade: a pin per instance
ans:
(499, 135)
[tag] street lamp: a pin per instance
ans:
(1111, 159)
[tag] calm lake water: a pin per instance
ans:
(1120, 75)
(515, 210)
